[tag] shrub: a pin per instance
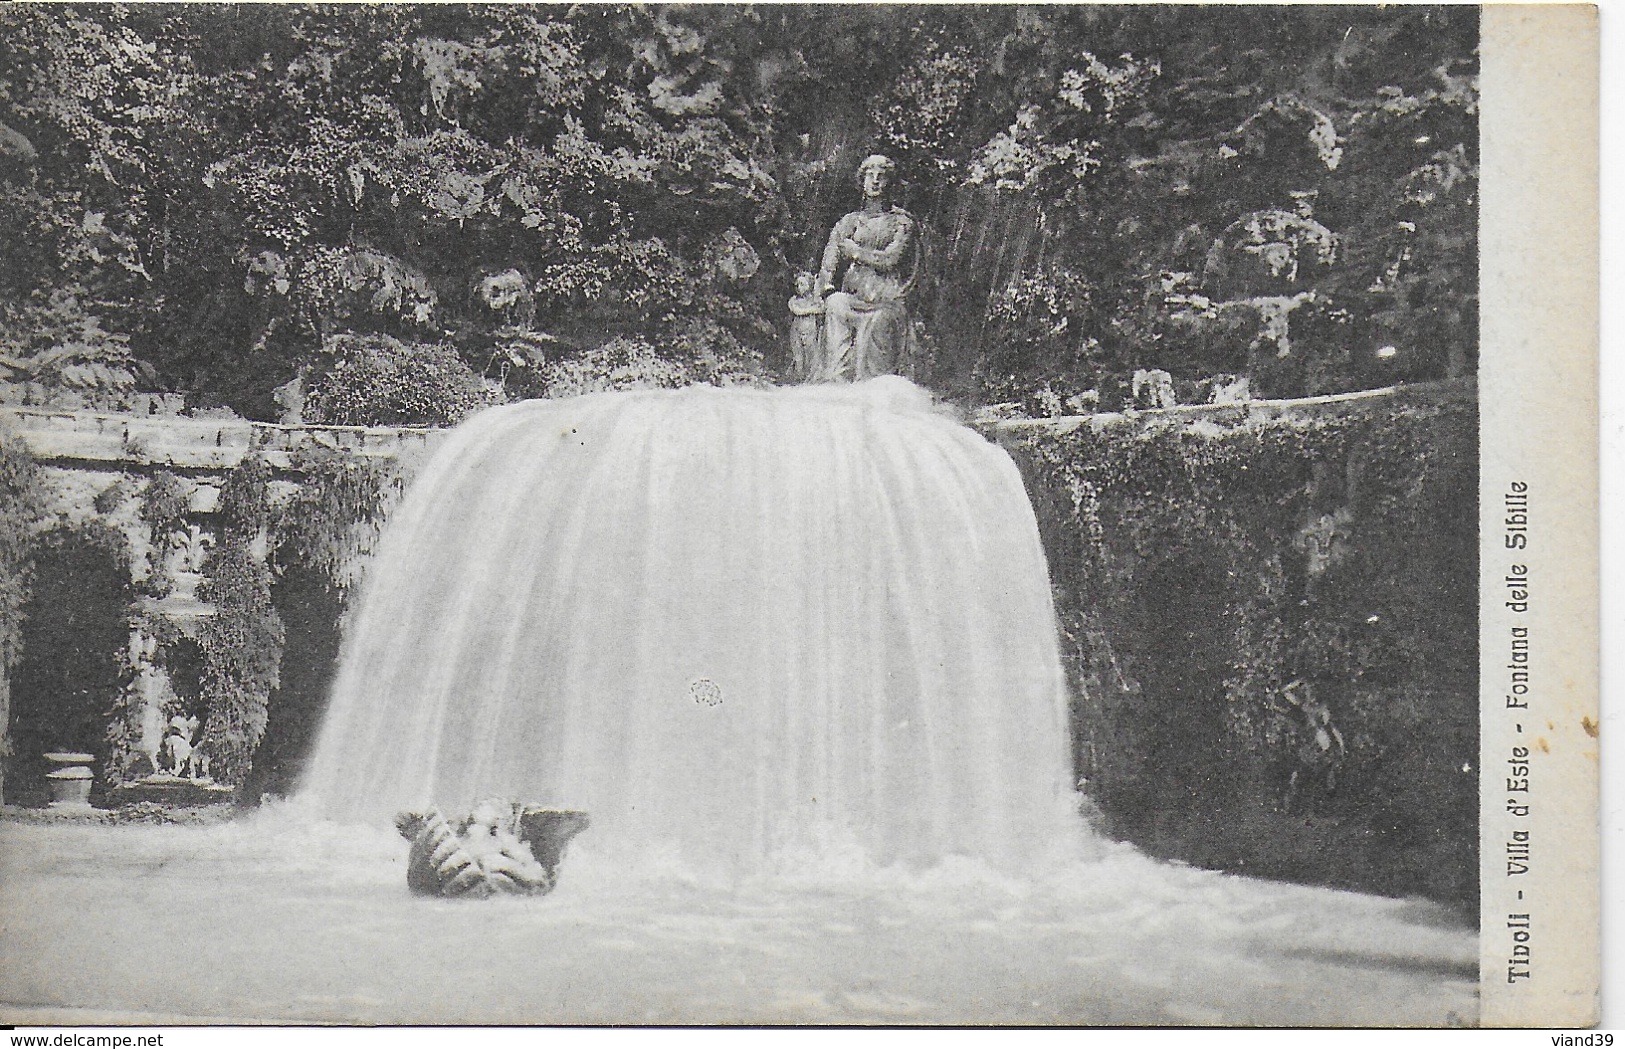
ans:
(164, 504)
(321, 537)
(162, 508)
(619, 364)
(62, 351)
(700, 353)
(378, 380)
(334, 518)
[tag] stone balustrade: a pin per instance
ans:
(108, 441)
(1224, 416)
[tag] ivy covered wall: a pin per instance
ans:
(1270, 623)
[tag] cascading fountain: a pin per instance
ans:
(756, 627)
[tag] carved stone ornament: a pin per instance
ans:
(501, 848)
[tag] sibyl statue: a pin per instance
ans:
(869, 266)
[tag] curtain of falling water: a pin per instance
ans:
(743, 624)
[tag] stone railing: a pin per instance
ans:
(106, 441)
(1229, 414)
(84, 453)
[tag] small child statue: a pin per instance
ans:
(806, 329)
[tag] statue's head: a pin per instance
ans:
(875, 174)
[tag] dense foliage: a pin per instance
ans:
(75, 627)
(378, 379)
(319, 545)
(331, 522)
(279, 576)
(1271, 628)
(21, 507)
(242, 642)
(206, 198)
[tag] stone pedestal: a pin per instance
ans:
(69, 780)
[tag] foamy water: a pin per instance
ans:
(277, 917)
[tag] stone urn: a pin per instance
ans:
(69, 780)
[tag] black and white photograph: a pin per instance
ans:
(777, 515)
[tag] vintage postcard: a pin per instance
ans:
(876, 514)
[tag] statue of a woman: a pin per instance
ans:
(868, 268)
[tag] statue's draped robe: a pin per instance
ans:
(866, 324)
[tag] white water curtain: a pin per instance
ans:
(753, 626)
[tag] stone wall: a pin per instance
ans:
(85, 454)
(1269, 617)
(77, 445)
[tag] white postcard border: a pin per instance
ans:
(1539, 723)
